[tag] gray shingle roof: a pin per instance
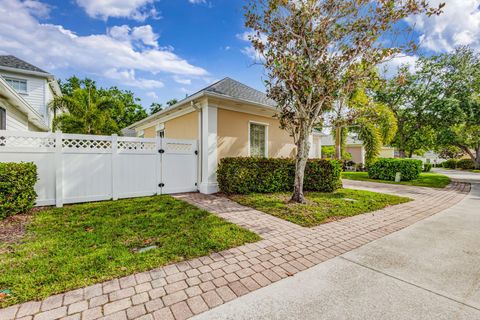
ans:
(235, 89)
(14, 62)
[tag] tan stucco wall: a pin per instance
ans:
(232, 135)
(356, 152)
(387, 152)
(149, 132)
(184, 127)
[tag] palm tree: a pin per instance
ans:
(85, 111)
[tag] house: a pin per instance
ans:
(229, 119)
(355, 147)
(25, 92)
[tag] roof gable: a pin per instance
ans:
(232, 88)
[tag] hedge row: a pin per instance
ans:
(263, 175)
(465, 164)
(17, 193)
(387, 168)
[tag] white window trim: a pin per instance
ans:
(18, 79)
(266, 136)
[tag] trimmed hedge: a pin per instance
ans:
(466, 164)
(450, 164)
(386, 169)
(245, 175)
(427, 167)
(17, 193)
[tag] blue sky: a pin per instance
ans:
(163, 49)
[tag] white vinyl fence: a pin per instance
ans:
(76, 168)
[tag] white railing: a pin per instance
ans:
(75, 168)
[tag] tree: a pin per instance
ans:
(172, 102)
(90, 110)
(409, 96)
(438, 106)
(450, 152)
(155, 107)
(456, 113)
(357, 111)
(308, 46)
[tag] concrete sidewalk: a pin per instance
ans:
(430, 270)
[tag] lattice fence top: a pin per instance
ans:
(179, 147)
(86, 144)
(136, 145)
(78, 143)
(41, 141)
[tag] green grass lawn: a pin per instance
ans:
(320, 207)
(429, 179)
(476, 171)
(79, 245)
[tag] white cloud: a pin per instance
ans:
(458, 25)
(152, 95)
(128, 78)
(250, 51)
(182, 80)
(143, 34)
(133, 9)
(197, 1)
(391, 67)
(116, 54)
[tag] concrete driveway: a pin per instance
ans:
(430, 270)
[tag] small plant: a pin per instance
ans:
(427, 167)
(387, 168)
(244, 175)
(17, 193)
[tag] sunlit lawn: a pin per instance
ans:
(428, 179)
(320, 207)
(79, 245)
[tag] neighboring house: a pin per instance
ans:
(229, 119)
(25, 92)
(430, 157)
(355, 147)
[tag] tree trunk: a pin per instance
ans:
(338, 143)
(477, 159)
(303, 148)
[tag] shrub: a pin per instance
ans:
(450, 164)
(386, 169)
(17, 193)
(427, 167)
(466, 164)
(263, 175)
(328, 152)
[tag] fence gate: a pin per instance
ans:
(79, 168)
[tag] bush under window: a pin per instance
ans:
(17, 193)
(387, 168)
(245, 175)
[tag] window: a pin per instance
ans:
(3, 119)
(18, 84)
(258, 140)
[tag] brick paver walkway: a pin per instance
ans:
(182, 290)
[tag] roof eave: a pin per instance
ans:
(28, 72)
(198, 95)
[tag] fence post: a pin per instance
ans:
(58, 169)
(114, 166)
(158, 165)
